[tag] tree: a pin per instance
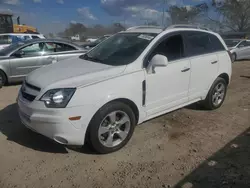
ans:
(184, 15)
(235, 14)
(74, 29)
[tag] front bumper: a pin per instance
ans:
(53, 123)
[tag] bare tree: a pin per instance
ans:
(234, 14)
(184, 15)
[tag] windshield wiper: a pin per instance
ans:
(86, 57)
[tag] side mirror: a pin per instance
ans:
(157, 61)
(19, 54)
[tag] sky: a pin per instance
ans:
(52, 16)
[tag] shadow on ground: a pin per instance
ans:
(15, 131)
(227, 168)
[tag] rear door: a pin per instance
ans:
(204, 63)
(65, 51)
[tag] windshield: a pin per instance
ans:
(99, 40)
(6, 51)
(232, 43)
(120, 49)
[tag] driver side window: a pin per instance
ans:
(33, 50)
(171, 47)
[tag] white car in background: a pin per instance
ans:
(133, 76)
(91, 39)
(7, 39)
(240, 49)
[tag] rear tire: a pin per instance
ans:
(3, 79)
(107, 131)
(234, 57)
(216, 94)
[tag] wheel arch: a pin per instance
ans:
(225, 76)
(6, 77)
(126, 101)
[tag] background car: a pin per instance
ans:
(18, 60)
(240, 49)
(12, 38)
(91, 45)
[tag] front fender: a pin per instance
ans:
(93, 97)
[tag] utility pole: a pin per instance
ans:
(163, 13)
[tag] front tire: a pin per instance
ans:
(216, 94)
(234, 57)
(2, 79)
(111, 127)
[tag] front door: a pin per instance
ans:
(32, 58)
(168, 86)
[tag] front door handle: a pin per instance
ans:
(185, 70)
(51, 58)
(214, 62)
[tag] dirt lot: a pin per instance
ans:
(186, 148)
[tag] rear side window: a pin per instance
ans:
(60, 47)
(199, 43)
(216, 43)
(5, 39)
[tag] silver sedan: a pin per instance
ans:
(240, 49)
(18, 60)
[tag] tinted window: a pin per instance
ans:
(60, 47)
(199, 43)
(172, 48)
(216, 44)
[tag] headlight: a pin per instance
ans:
(58, 98)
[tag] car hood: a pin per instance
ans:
(3, 57)
(74, 72)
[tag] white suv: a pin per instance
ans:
(131, 77)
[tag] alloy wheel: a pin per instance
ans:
(114, 129)
(218, 94)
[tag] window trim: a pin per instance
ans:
(165, 37)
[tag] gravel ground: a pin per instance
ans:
(186, 148)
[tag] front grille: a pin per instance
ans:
(32, 86)
(28, 96)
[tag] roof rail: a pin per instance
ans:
(144, 27)
(187, 26)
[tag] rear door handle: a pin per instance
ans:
(214, 62)
(185, 70)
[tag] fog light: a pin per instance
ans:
(60, 140)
